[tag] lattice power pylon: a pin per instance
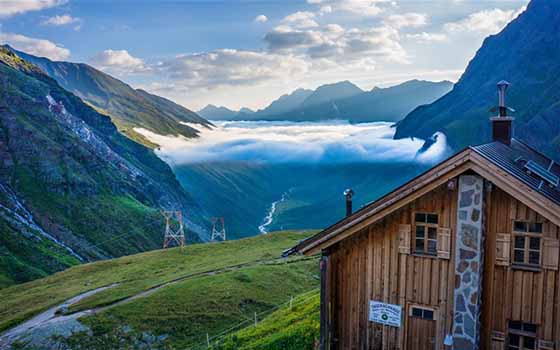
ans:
(174, 230)
(218, 229)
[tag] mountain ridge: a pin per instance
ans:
(462, 114)
(128, 108)
(70, 183)
(378, 104)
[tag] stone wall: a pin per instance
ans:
(468, 263)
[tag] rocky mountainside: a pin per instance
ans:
(345, 100)
(527, 54)
(71, 186)
(128, 108)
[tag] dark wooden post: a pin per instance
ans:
(324, 302)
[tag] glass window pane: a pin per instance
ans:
(534, 258)
(432, 246)
(520, 226)
(535, 227)
(420, 245)
(515, 325)
(528, 327)
(428, 314)
(420, 217)
(529, 343)
(519, 256)
(535, 243)
(519, 242)
(432, 233)
(432, 218)
(420, 231)
(514, 339)
(416, 312)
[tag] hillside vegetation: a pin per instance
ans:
(70, 183)
(207, 288)
(128, 108)
(295, 326)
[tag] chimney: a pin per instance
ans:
(502, 124)
(348, 194)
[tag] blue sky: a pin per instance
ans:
(247, 53)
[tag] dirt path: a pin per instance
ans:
(50, 322)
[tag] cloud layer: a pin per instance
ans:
(286, 142)
(37, 47)
(15, 7)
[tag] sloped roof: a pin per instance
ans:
(499, 163)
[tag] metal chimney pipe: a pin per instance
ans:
(502, 130)
(348, 195)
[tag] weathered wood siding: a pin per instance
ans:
(368, 266)
(513, 294)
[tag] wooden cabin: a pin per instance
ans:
(465, 256)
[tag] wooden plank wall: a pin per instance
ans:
(368, 266)
(510, 294)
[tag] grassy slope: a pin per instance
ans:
(134, 274)
(185, 312)
(287, 329)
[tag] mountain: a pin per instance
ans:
(331, 92)
(212, 112)
(72, 188)
(162, 299)
(127, 107)
(344, 100)
(527, 54)
(286, 102)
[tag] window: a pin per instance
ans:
(522, 336)
(425, 233)
(425, 314)
(527, 238)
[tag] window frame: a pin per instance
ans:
(424, 309)
(526, 236)
(426, 225)
(522, 334)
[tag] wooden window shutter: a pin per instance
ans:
(551, 253)
(503, 248)
(404, 238)
(444, 243)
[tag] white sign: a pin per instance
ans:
(386, 314)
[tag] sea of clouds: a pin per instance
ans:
(332, 142)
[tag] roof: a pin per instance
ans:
(499, 163)
(513, 158)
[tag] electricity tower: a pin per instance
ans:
(174, 230)
(218, 229)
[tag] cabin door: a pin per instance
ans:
(421, 329)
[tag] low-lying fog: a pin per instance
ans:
(331, 142)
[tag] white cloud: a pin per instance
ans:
(14, 7)
(33, 46)
(355, 7)
(334, 142)
(486, 22)
(300, 19)
(332, 42)
(261, 19)
(424, 37)
(411, 19)
(60, 20)
(228, 67)
(119, 62)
